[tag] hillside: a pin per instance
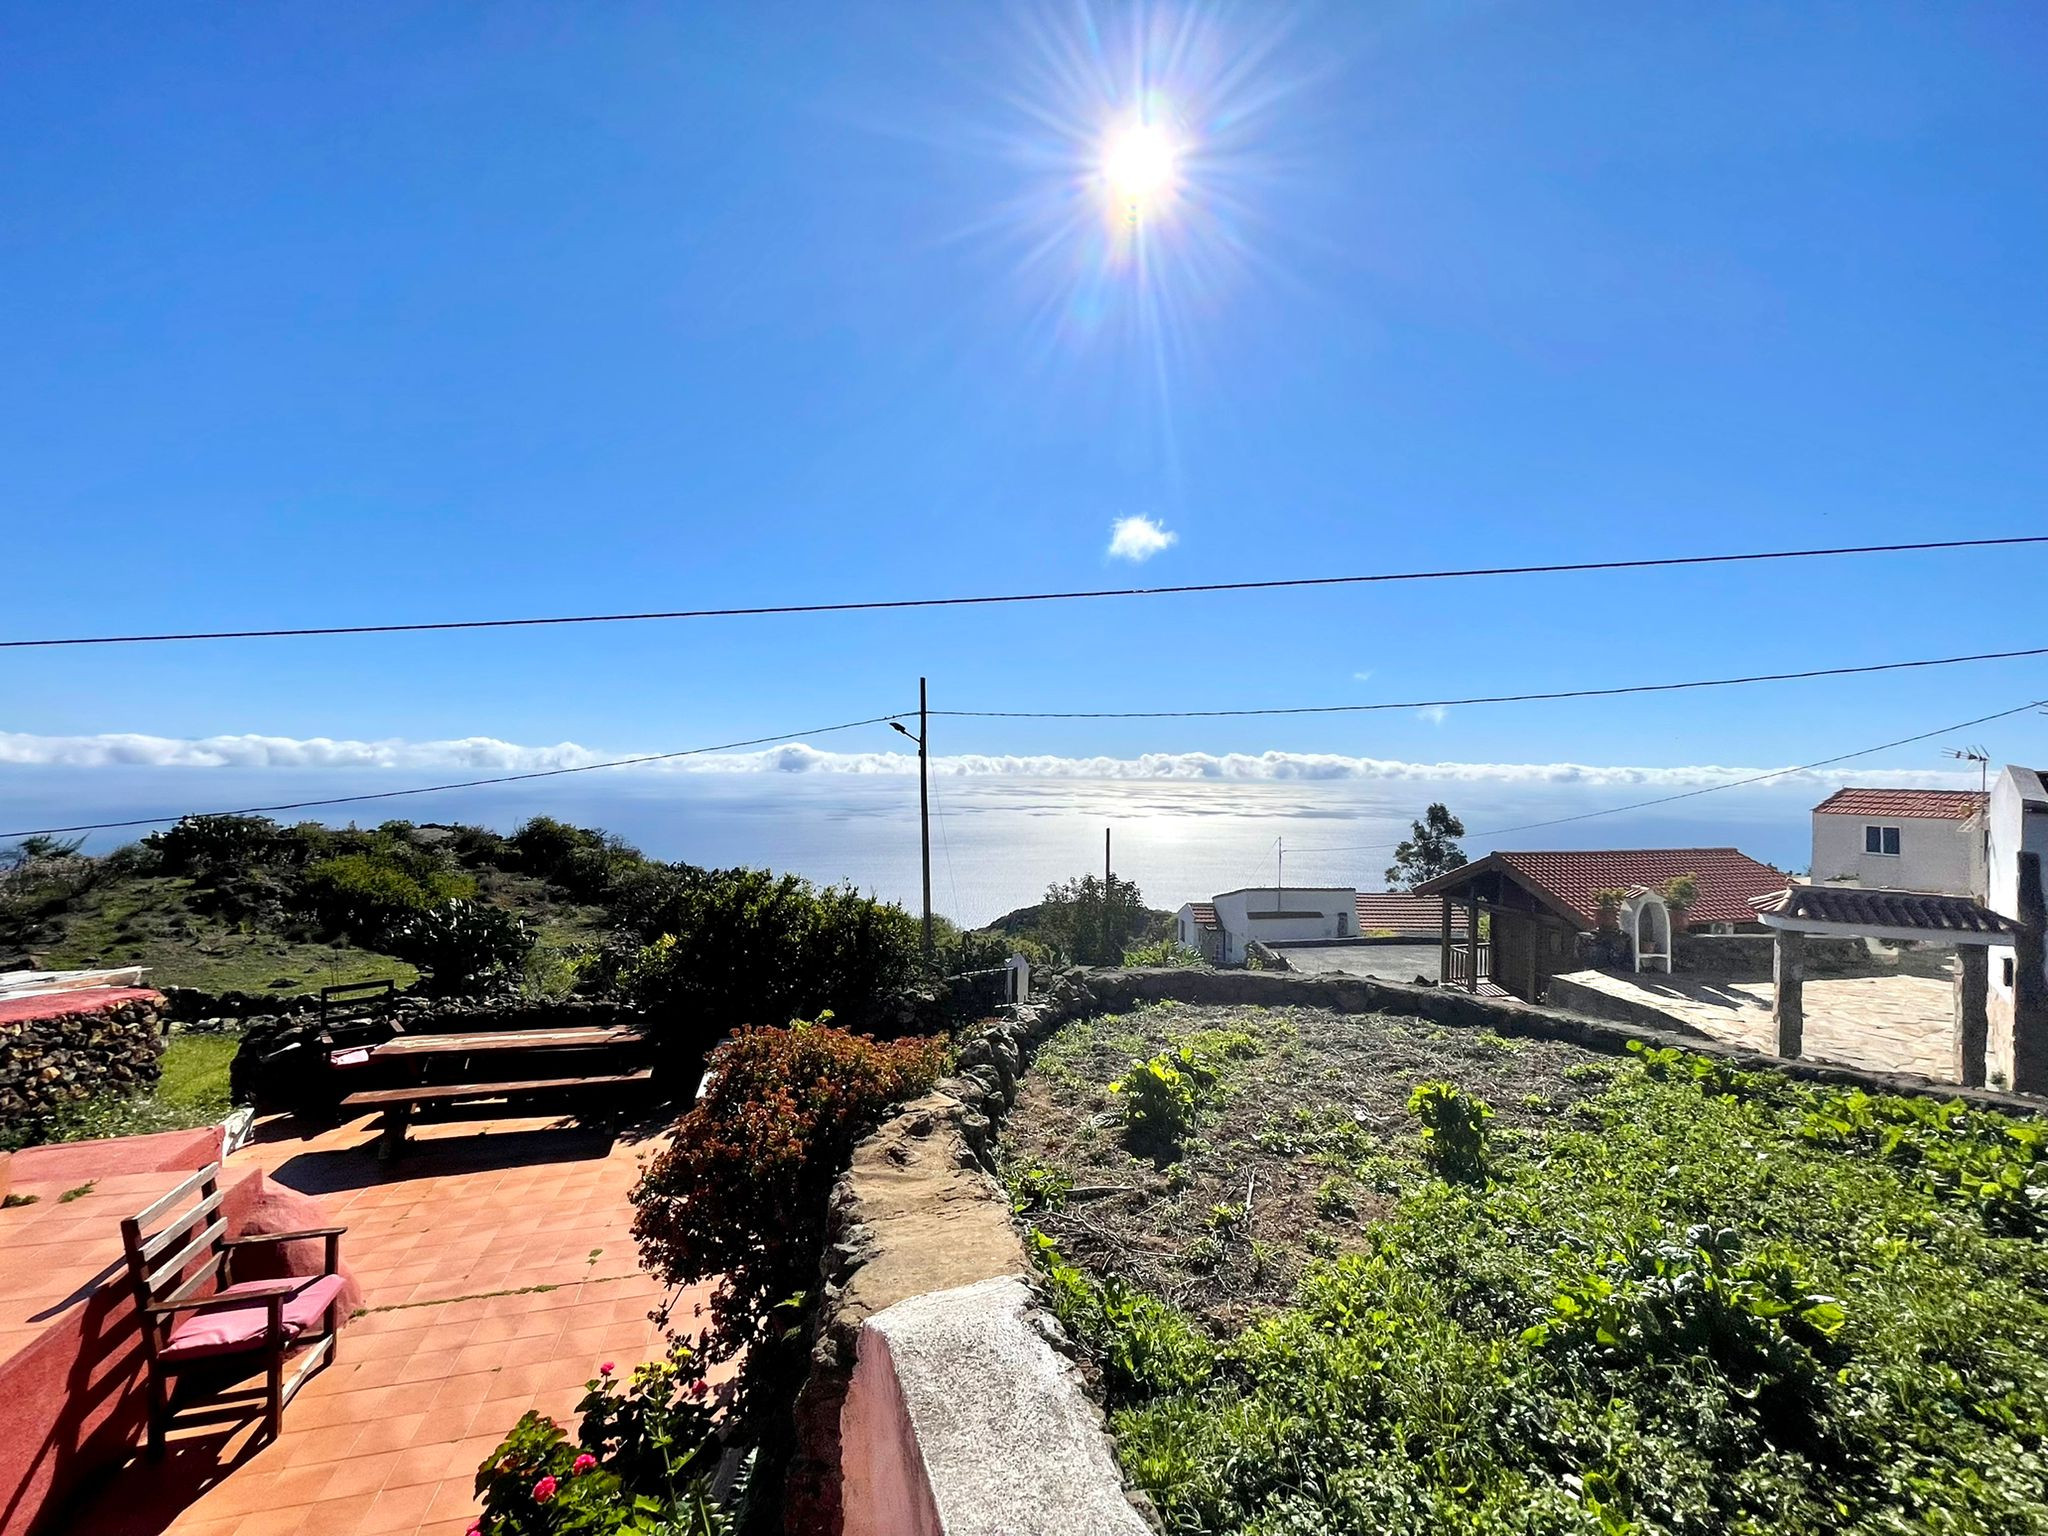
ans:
(301, 909)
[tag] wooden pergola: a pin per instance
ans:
(1919, 917)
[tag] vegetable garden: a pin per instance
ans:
(1363, 1274)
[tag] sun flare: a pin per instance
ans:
(1139, 164)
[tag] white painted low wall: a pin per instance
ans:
(962, 1420)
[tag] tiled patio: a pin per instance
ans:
(1884, 1023)
(498, 1273)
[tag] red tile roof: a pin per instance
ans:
(1859, 908)
(1404, 913)
(1204, 914)
(1941, 804)
(1727, 878)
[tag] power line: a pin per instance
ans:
(1690, 794)
(434, 789)
(878, 605)
(1492, 698)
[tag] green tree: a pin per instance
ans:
(1089, 920)
(1431, 850)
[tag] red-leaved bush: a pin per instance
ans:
(740, 1193)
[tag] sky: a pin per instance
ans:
(388, 313)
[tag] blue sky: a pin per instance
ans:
(381, 313)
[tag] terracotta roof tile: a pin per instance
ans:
(1727, 878)
(1404, 913)
(1204, 914)
(1939, 804)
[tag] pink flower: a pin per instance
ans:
(544, 1490)
(583, 1464)
(474, 1530)
(605, 1369)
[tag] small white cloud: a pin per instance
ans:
(1362, 677)
(1433, 713)
(1139, 538)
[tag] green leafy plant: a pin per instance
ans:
(1165, 952)
(1453, 1129)
(1143, 1344)
(1160, 1095)
(1039, 1189)
(464, 946)
(641, 1461)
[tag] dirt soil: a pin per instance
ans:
(1305, 1139)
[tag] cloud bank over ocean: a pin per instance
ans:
(486, 755)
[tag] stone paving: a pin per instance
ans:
(498, 1271)
(1883, 1023)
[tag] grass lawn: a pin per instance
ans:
(1640, 1295)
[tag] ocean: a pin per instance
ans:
(997, 840)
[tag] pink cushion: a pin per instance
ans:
(233, 1329)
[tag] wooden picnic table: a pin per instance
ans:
(416, 1047)
(413, 1055)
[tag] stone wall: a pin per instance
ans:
(1747, 956)
(77, 1049)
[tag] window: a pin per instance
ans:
(2008, 970)
(1882, 840)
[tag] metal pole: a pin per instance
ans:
(924, 810)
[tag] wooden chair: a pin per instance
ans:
(266, 1318)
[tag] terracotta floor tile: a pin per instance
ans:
(286, 1521)
(337, 1517)
(421, 1464)
(390, 1434)
(302, 1446)
(399, 1509)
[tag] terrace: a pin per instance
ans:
(498, 1272)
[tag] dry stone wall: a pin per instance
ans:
(58, 1058)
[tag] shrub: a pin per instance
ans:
(642, 1461)
(370, 894)
(743, 947)
(739, 1194)
(1165, 952)
(586, 863)
(1453, 1129)
(198, 845)
(464, 946)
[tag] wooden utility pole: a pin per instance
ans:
(1107, 877)
(924, 810)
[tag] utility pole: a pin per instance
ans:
(1279, 873)
(924, 810)
(1107, 877)
(924, 806)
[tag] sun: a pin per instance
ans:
(1139, 164)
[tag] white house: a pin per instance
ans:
(1900, 840)
(2019, 824)
(1224, 925)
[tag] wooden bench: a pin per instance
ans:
(398, 1104)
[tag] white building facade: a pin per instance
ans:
(1901, 840)
(1224, 927)
(2019, 824)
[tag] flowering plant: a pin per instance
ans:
(641, 1461)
